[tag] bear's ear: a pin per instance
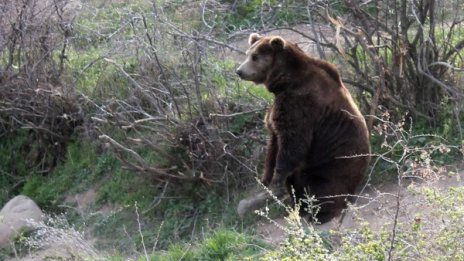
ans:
(254, 37)
(278, 43)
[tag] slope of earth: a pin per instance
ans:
(378, 206)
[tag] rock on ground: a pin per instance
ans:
(14, 216)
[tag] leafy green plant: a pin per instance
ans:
(220, 245)
(175, 252)
(432, 235)
(13, 166)
(226, 245)
(301, 243)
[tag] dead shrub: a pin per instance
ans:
(33, 95)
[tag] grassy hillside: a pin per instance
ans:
(126, 121)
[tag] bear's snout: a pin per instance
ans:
(239, 73)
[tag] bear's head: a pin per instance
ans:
(262, 56)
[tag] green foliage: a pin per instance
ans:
(86, 168)
(224, 245)
(307, 247)
(231, 88)
(97, 24)
(96, 77)
(404, 149)
(220, 245)
(257, 14)
(11, 147)
(201, 209)
(13, 166)
(368, 246)
(435, 235)
(97, 31)
(303, 242)
(178, 212)
(80, 171)
(444, 123)
(244, 123)
(445, 239)
(79, 61)
(124, 187)
(175, 252)
(185, 211)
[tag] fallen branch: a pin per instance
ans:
(235, 114)
(144, 167)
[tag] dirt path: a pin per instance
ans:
(378, 207)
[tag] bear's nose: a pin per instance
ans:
(239, 72)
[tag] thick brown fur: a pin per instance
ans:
(319, 141)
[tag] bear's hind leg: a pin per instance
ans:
(331, 198)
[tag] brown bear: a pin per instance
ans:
(319, 141)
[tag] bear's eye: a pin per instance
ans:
(254, 57)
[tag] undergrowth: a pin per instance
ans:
(434, 233)
(159, 82)
(111, 217)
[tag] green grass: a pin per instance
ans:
(184, 215)
(252, 14)
(85, 168)
(185, 211)
(13, 166)
(82, 168)
(105, 32)
(97, 24)
(219, 245)
(229, 86)
(222, 245)
(96, 77)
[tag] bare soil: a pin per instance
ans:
(378, 206)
